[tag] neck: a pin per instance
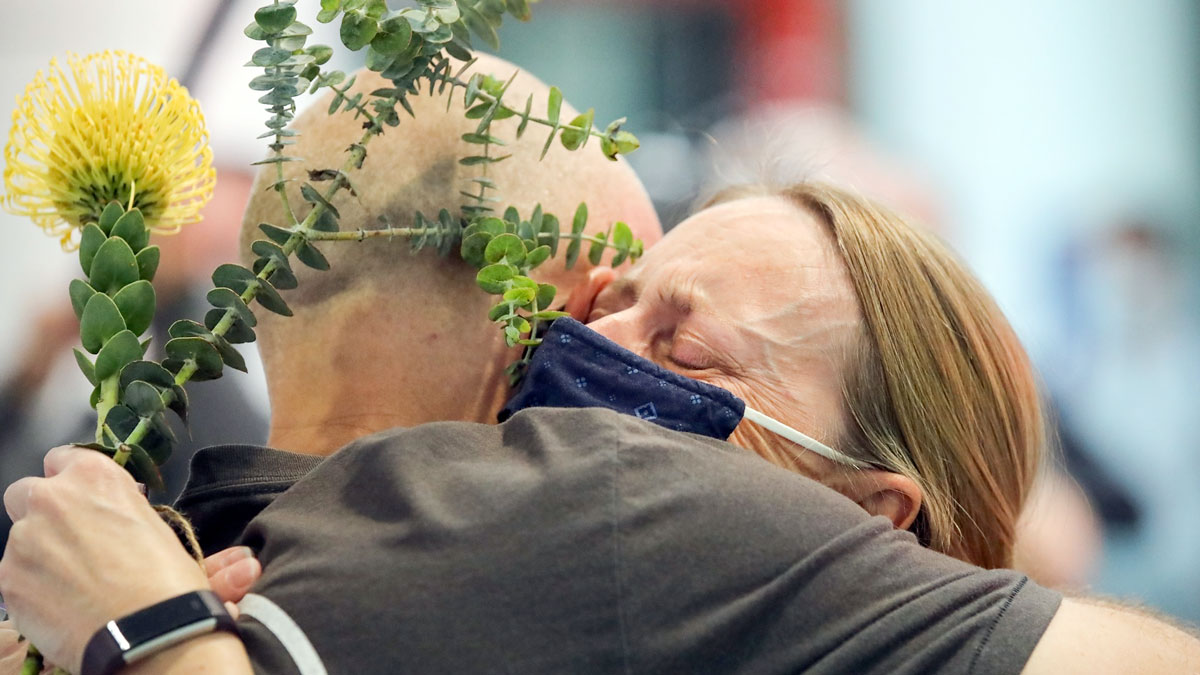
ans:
(350, 386)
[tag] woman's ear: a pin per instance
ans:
(883, 493)
(579, 305)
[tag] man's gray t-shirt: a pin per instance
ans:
(583, 541)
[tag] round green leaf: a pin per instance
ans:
(136, 304)
(89, 242)
(274, 18)
(357, 30)
(113, 267)
(473, 247)
(596, 252)
(394, 35)
(545, 295)
(311, 256)
(132, 228)
(122, 349)
(143, 398)
(520, 296)
(100, 321)
(268, 297)
(537, 256)
(80, 293)
(108, 217)
(207, 359)
(231, 356)
(147, 371)
(495, 279)
(85, 365)
(234, 277)
(147, 262)
(238, 333)
(320, 53)
(188, 328)
(506, 247)
(227, 299)
(269, 56)
(142, 467)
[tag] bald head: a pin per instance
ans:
(382, 323)
(414, 167)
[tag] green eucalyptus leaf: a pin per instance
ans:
(500, 312)
(231, 356)
(549, 233)
(108, 217)
(237, 333)
(113, 267)
(473, 247)
(554, 105)
(495, 279)
(122, 420)
(519, 9)
(147, 262)
(626, 142)
(276, 234)
(394, 35)
(80, 293)
(622, 239)
(89, 242)
(577, 225)
(100, 321)
(269, 56)
(321, 55)
(146, 371)
(480, 27)
(122, 349)
(281, 277)
(132, 228)
(188, 328)
(357, 29)
(329, 10)
(198, 350)
(596, 252)
(549, 315)
(142, 467)
(227, 299)
(274, 18)
(179, 403)
(136, 303)
(269, 298)
(519, 296)
(511, 335)
(310, 255)
(505, 247)
(143, 398)
(234, 277)
(545, 295)
(86, 365)
(537, 256)
(311, 195)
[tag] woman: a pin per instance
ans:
(840, 319)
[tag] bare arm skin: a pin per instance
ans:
(1092, 637)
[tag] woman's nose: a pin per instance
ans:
(621, 328)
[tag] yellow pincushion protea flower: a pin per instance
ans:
(113, 126)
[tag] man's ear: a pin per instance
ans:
(883, 493)
(579, 305)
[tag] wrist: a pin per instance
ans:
(160, 626)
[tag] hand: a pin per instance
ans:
(85, 548)
(231, 573)
(12, 649)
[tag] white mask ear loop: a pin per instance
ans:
(802, 439)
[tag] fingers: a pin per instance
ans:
(58, 459)
(233, 582)
(12, 649)
(222, 559)
(16, 497)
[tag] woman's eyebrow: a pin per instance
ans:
(626, 288)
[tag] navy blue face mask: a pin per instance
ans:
(576, 367)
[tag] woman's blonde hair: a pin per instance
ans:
(938, 388)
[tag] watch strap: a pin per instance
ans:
(148, 631)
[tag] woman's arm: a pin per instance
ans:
(86, 548)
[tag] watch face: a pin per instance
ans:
(165, 617)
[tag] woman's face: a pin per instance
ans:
(751, 296)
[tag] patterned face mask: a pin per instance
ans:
(576, 367)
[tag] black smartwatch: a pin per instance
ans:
(151, 630)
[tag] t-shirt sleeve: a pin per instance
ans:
(729, 564)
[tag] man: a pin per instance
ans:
(562, 541)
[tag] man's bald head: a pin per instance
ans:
(414, 167)
(392, 338)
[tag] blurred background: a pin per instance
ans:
(1056, 145)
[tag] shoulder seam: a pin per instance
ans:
(995, 622)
